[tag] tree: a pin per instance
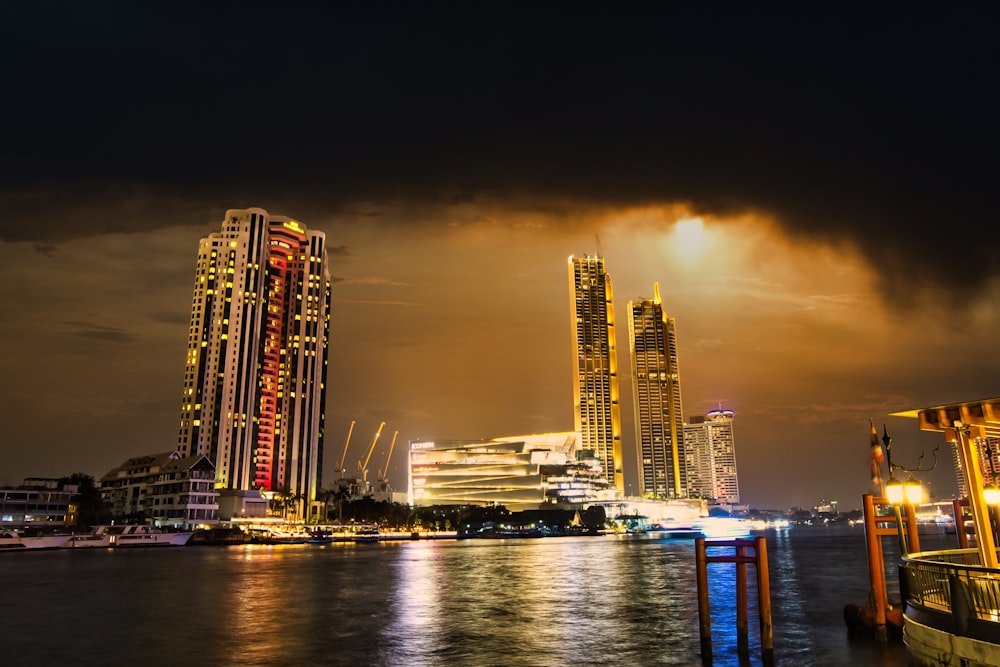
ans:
(594, 517)
(91, 509)
(324, 496)
(280, 501)
(339, 496)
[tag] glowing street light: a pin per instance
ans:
(910, 491)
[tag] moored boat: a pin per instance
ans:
(128, 536)
(11, 540)
(275, 536)
(367, 534)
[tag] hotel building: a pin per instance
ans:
(656, 393)
(596, 411)
(255, 376)
(711, 457)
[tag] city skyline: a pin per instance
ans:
(815, 189)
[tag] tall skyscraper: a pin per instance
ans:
(255, 377)
(656, 395)
(711, 457)
(596, 411)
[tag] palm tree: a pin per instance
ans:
(294, 500)
(339, 496)
(323, 496)
(282, 498)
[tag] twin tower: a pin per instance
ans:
(667, 468)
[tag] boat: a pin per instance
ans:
(707, 527)
(88, 541)
(123, 536)
(11, 540)
(367, 534)
(320, 537)
(275, 536)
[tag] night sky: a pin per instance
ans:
(841, 165)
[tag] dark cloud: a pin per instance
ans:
(98, 332)
(868, 127)
(338, 251)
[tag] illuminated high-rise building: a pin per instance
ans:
(711, 457)
(596, 411)
(656, 396)
(255, 376)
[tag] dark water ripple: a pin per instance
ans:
(557, 601)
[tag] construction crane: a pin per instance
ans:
(383, 473)
(340, 467)
(363, 468)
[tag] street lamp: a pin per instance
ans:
(910, 491)
(894, 489)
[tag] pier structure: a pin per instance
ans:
(898, 524)
(741, 558)
(952, 597)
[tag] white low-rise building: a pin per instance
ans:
(163, 489)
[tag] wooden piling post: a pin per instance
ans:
(876, 567)
(740, 559)
(912, 537)
(742, 622)
(764, 602)
(704, 611)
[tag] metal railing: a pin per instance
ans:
(954, 585)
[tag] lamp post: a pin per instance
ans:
(909, 492)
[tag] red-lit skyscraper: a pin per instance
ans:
(255, 376)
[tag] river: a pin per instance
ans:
(553, 601)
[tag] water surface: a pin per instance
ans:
(552, 601)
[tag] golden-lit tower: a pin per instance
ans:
(255, 377)
(596, 411)
(656, 396)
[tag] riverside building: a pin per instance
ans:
(711, 457)
(656, 394)
(596, 410)
(255, 376)
(40, 501)
(165, 489)
(518, 472)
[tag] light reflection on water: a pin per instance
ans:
(552, 601)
